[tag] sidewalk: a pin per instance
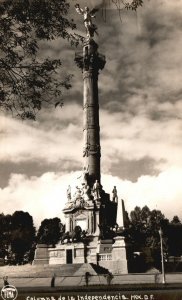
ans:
(128, 280)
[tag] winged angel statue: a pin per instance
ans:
(87, 18)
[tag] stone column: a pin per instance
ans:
(97, 221)
(67, 223)
(91, 129)
(90, 63)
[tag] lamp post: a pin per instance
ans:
(162, 257)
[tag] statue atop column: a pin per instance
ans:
(87, 19)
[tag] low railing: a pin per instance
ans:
(104, 257)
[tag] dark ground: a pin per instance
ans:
(113, 292)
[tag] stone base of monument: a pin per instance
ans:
(70, 253)
(91, 254)
(104, 246)
(113, 257)
(104, 250)
(120, 256)
(41, 254)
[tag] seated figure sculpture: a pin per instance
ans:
(74, 236)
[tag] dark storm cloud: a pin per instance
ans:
(59, 118)
(139, 53)
(133, 169)
(143, 65)
(34, 168)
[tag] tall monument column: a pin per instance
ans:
(92, 62)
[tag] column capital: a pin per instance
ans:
(90, 58)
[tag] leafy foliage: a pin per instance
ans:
(133, 5)
(17, 237)
(22, 234)
(175, 220)
(50, 231)
(26, 81)
(174, 233)
(122, 5)
(5, 234)
(145, 225)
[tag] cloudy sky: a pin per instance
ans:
(140, 116)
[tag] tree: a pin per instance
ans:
(174, 233)
(17, 237)
(133, 5)
(22, 236)
(27, 81)
(144, 231)
(50, 231)
(175, 220)
(5, 235)
(120, 5)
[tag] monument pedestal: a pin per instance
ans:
(42, 254)
(73, 253)
(104, 249)
(120, 256)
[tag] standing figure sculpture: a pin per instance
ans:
(96, 190)
(86, 192)
(69, 193)
(114, 195)
(87, 18)
(85, 176)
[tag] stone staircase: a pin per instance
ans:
(47, 271)
(99, 270)
(41, 271)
